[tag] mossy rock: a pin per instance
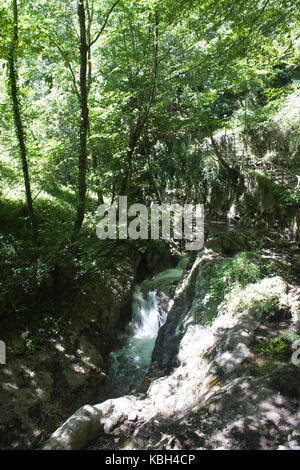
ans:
(266, 300)
(229, 243)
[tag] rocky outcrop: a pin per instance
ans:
(264, 191)
(39, 390)
(247, 413)
(221, 376)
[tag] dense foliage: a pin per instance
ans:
(101, 98)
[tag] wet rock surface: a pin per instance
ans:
(227, 384)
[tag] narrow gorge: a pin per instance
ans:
(221, 375)
(149, 226)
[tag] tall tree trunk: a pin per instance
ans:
(152, 177)
(90, 14)
(89, 6)
(84, 122)
(133, 140)
(13, 82)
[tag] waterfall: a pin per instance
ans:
(128, 365)
(147, 319)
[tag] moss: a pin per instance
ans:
(165, 281)
(225, 280)
(270, 353)
(249, 204)
(285, 197)
(278, 345)
(274, 346)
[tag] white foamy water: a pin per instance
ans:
(128, 365)
(147, 318)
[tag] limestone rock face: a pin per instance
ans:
(77, 430)
(247, 413)
(293, 442)
(39, 391)
(91, 421)
(229, 384)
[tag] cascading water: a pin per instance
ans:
(128, 365)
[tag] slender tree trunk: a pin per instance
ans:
(153, 179)
(132, 145)
(90, 14)
(13, 82)
(84, 122)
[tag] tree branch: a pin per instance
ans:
(65, 57)
(141, 121)
(104, 24)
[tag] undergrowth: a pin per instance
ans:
(227, 281)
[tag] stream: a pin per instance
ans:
(129, 363)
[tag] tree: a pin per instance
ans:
(19, 128)
(85, 83)
(84, 121)
(143, 113)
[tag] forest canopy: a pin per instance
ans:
(101, 98)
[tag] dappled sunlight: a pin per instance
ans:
(149, 224)
(247, 416)
(227, 388)
(32, 388)
(9, 387)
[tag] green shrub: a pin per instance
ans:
(225, 279)
(277, 346)
(274, 346)
(43, 329)
(265, 300)
(285, 197)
